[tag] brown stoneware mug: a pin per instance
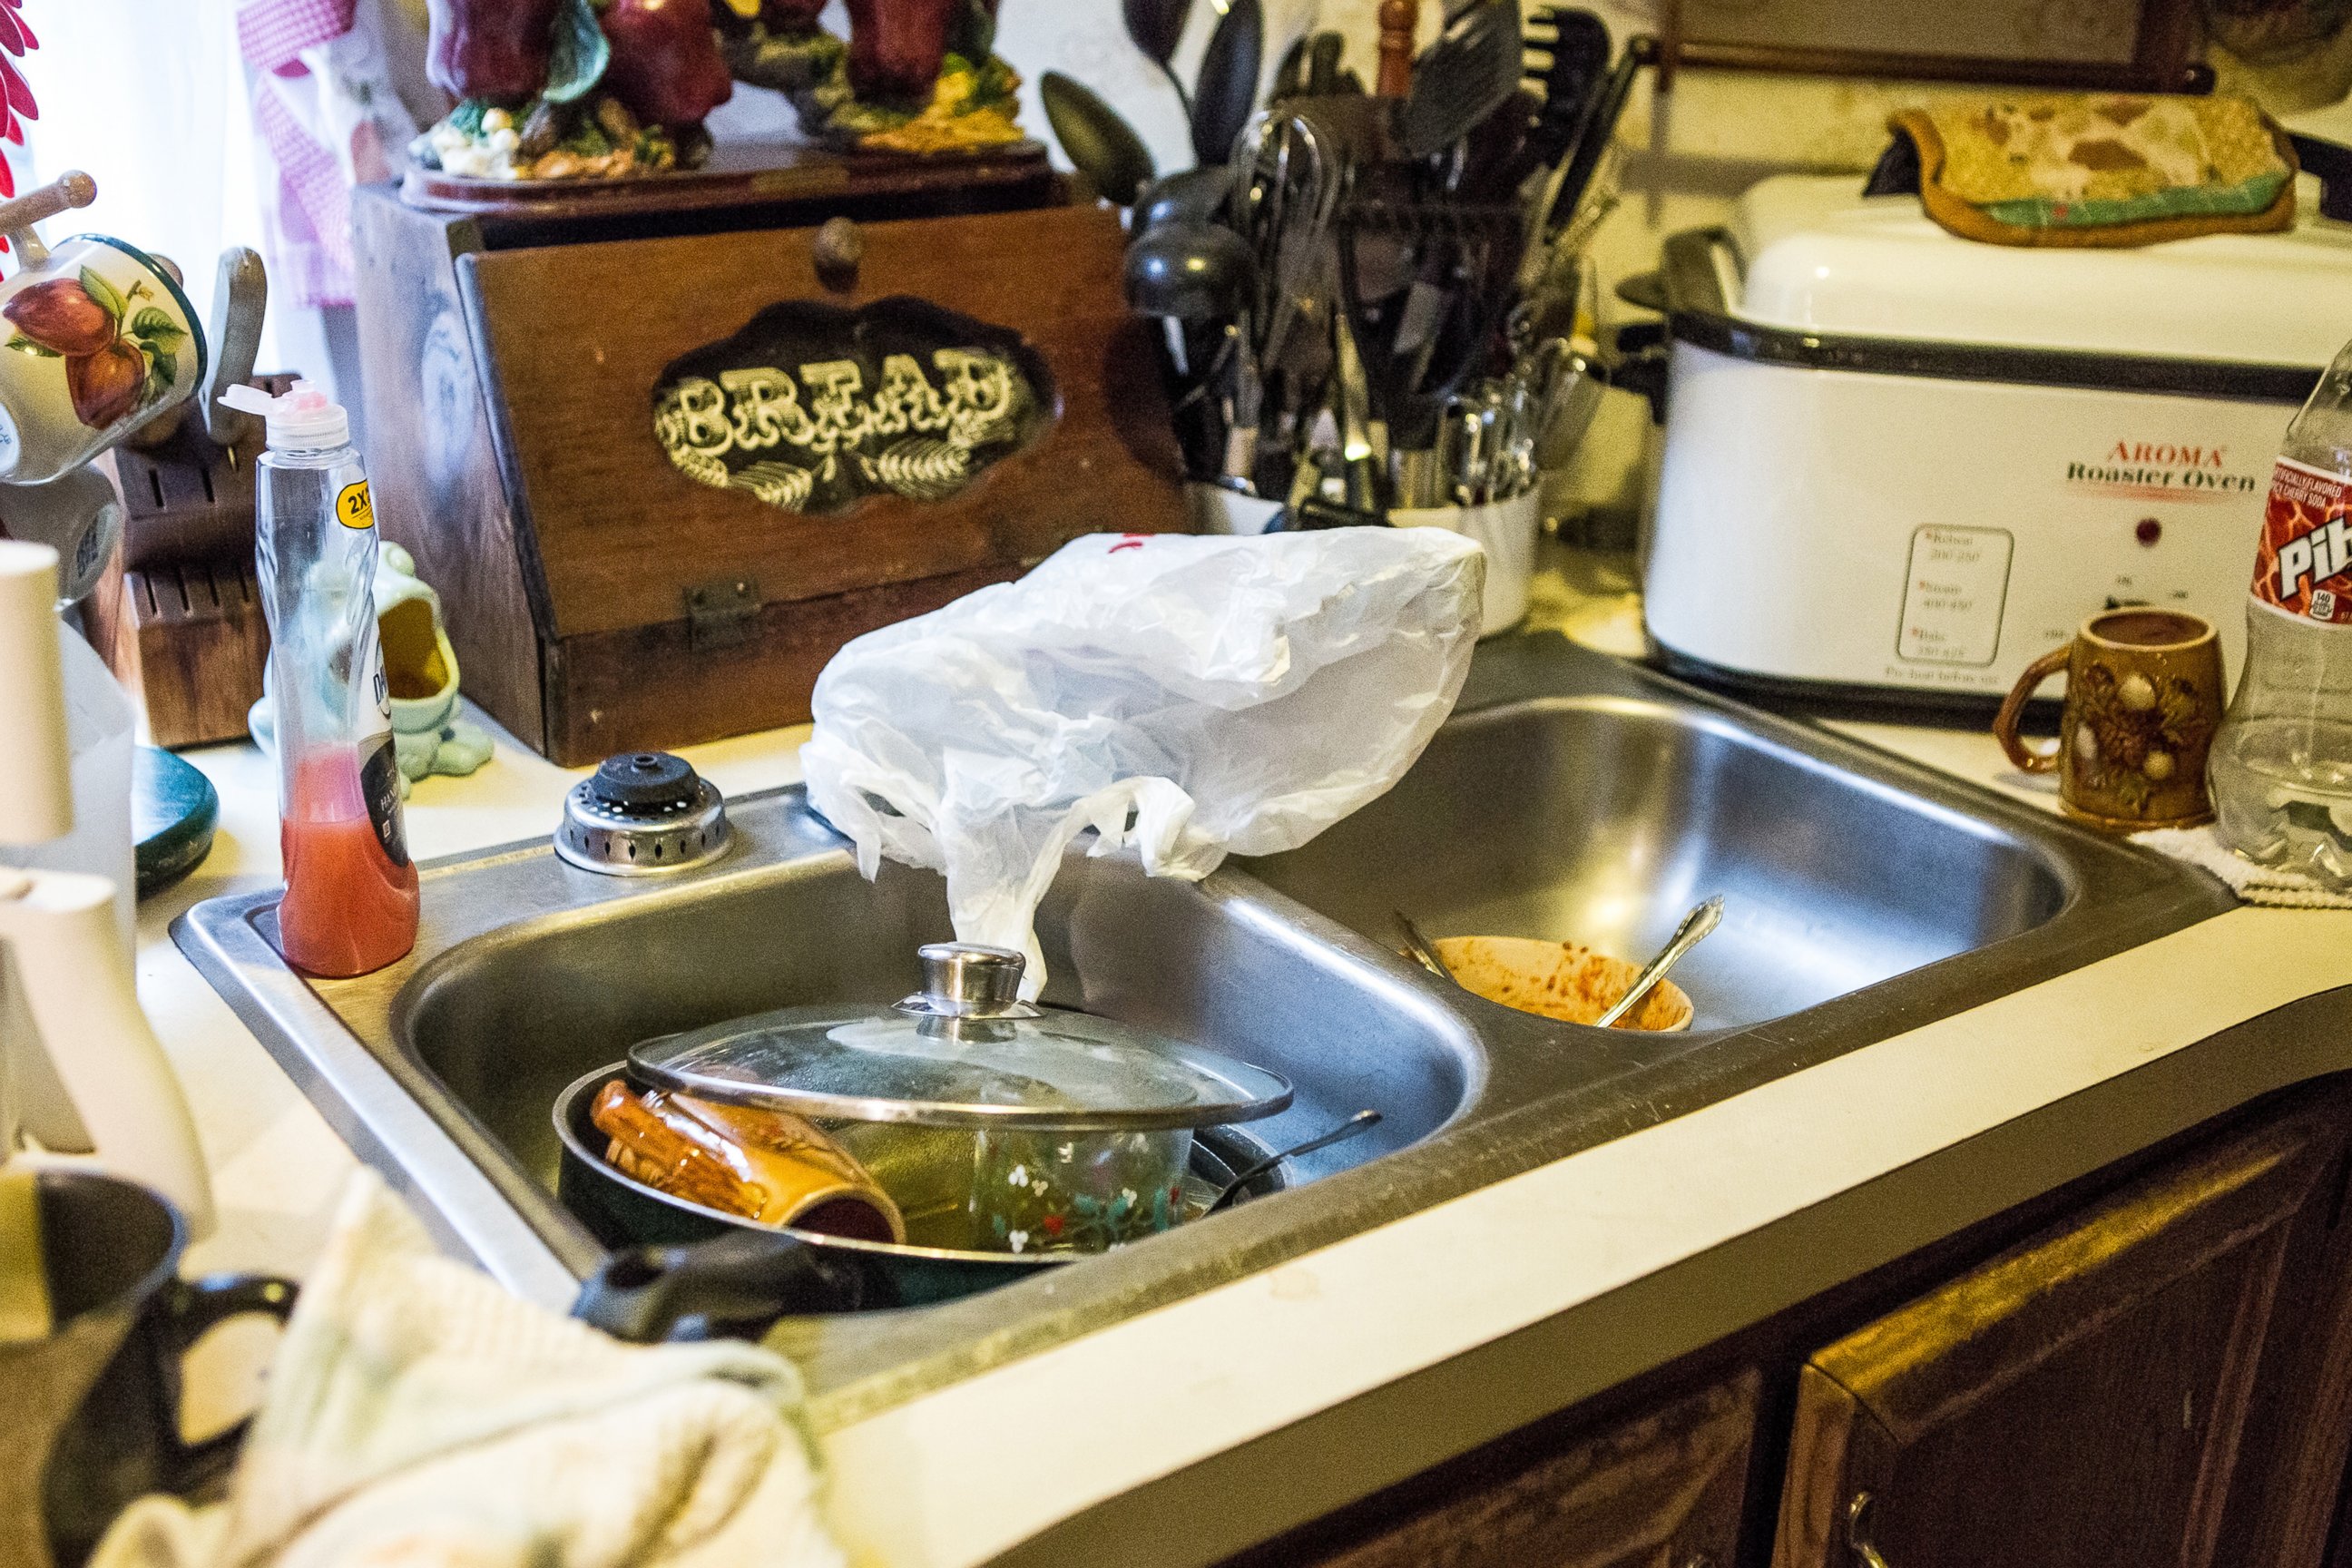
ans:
(2143, 699)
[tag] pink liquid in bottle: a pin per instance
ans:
(351, 893)
(351, 890)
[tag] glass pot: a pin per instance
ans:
(996, 1124)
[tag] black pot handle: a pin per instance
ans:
(194, 1307)
(2332, 162)
(1897, 173)
(644, 1294)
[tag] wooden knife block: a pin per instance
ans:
(180, 625)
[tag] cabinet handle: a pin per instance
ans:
(1857, 1532)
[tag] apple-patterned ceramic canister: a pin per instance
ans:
(98, 340)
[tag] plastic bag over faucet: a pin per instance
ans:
(1193, 696)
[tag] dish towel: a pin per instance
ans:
(2254, 884)
(417, 1414)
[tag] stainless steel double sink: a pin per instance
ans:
(1570, 796)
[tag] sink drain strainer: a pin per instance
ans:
(641, 814)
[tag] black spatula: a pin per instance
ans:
(1467, 74)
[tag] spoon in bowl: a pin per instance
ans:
(1694, 926)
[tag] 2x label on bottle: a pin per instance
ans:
(353, 507)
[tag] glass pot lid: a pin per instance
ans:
(965, 1051)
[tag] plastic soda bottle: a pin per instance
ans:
(2282, 763)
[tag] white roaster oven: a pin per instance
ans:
(1897, 462)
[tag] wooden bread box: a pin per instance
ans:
(653, 519)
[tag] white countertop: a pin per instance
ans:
(964, 1474)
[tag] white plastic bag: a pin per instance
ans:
(1194, 696)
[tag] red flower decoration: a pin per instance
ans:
(17, 104)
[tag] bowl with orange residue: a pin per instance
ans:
(1561, 979)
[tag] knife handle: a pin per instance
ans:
(1399, 19)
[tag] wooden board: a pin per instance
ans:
(739, 174)
(573, 339)
(2290, 1459)
(430, 465)
(2127, 46)
(188, 500)
(178, 617)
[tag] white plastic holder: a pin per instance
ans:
(1213, 509)
(62, 952)
(1507, 531)
(38, 805)
(58, 928)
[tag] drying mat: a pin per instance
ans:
(2254, 884)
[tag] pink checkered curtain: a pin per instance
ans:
(324, 108)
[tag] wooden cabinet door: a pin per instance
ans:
(2077, 1402)
(1662, 1489)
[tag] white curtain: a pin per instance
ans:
(150, 98)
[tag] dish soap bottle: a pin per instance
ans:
(351, 891)
(2282, 761)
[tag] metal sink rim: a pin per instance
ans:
(2116, 897)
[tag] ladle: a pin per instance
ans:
(1190, 195)
(1195, 272)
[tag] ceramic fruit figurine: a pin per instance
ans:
(666, 64)
(599, 88)
(571, 89)
(895, 47)
(915, 75)
(420, 672)
(495, 49)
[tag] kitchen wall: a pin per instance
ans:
(1715, 135)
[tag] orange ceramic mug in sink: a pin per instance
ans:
(2143, 699)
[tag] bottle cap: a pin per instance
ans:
(304, 417)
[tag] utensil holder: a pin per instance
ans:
(1213, 509)
(1506, 530)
